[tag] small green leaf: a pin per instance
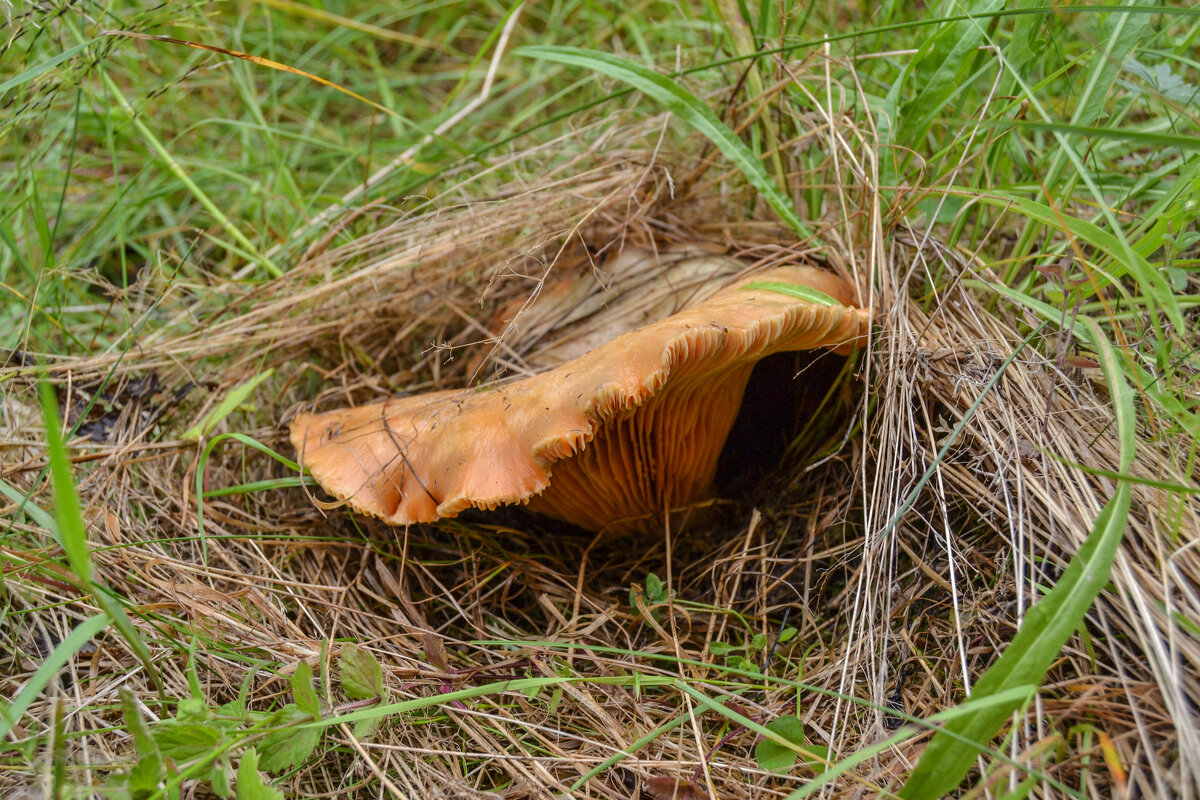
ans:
(775, 757)
(721, 648)
(143, 740)
(818, 760)
(302, 690)
(145, 777)
(360, 673)
(230, 402)
(654, 589)
(221, 778)
(185, 741)
(192, 709)
(249, 783)
(788, 634)
(794, 290)
(365, 728)
(290, 745)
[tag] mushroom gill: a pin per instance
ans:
(610, 440)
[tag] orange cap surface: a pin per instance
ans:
(607, 441)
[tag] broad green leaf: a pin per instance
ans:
(654, 588)
(366, 728)
(936, 73)
(221, 778)
(249, 783)
(144, 778)
(290, 745)
(774, 757)
(795, 290)
(687, 107)
(1120, 34)
(1048, 624)
(361, 675)
(186, 741)
(231, 401)
(820, 758)
(303, 691)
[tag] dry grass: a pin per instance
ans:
(899, 596)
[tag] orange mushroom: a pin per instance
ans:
(609, 441)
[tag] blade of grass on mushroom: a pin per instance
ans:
(261, 486)
(795, 290)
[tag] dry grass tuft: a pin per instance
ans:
(898, 596)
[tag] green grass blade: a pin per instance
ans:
(231, 401)
(1048, 624)
(687, 107)
(1163, 140)
(45, 66)
(795, 290)
(1153, 285)
(45, 673)
(1009, 696)
(69, 515)
(200, 465)
(39, 515)
(73, 533)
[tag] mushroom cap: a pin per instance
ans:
(598, 298)
(611, 440)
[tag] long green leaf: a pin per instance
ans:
(1149, 279)
(73, 533)
(45, 66)
(39, 515)
(57, 659)
(687, 107)
(235, 398)
(1049, 623)
(937, 71)
(1164, 140)
(203, 462)
(69, 515)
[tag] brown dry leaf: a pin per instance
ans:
(674, 789)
